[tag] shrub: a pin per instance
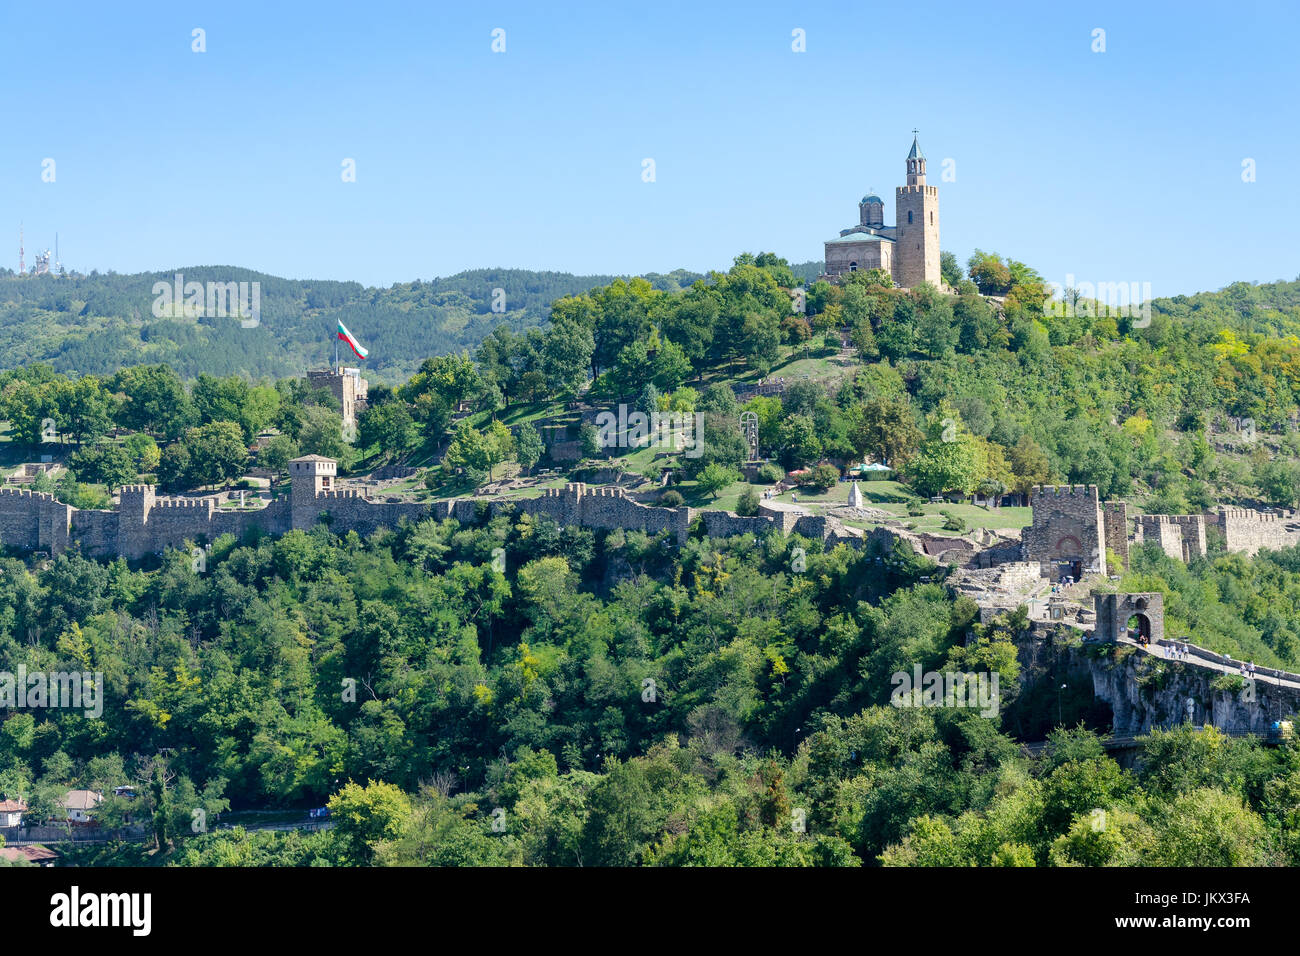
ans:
(769, 474)
(747, 506)
(914, 509)
(823, 478)
(952, 522)
(1231, 683)
(671, 499)
(590, 439)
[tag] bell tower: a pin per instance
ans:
(916, 248)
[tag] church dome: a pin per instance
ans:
(870, 198)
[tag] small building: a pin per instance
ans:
(11, 812)
(80, 804)
(36, 855)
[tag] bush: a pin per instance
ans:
(747, 506)
(914, 509)
(671, 499)
(769, 474)
(823, 478)
(952, 522)
(1230, 683)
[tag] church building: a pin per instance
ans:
(909, 250)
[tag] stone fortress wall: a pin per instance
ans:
(1182, 537)
(1249, 531)
(1114, 516)
(1071, 528)
(1069, 520)
(33, 520)
(146, 523)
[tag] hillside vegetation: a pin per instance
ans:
(611, 698)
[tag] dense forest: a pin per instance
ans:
(606, 700)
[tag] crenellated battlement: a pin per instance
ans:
(27, 493)
(343, 494)
(196, 504)
(144, 524)
(1247, 514)
(1064, 491)
(1181, 520)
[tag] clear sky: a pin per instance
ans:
(1115, 166)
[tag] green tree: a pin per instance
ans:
(715, 478)
(216, 453)
(105, 463)
(365, 817)
(322, 433)
(528, 446)
(390, 427)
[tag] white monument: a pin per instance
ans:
(855, 496)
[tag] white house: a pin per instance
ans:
(11, 812)
(80, 803)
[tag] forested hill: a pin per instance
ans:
(98, 323)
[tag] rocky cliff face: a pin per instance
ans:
(1145, 692)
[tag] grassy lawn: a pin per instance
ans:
(794, 363)
(526, 412)
(888, 496)
(640, 461)
(14, 453)
(726, 500)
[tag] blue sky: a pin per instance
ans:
(1117, 166)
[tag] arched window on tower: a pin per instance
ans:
(853, 267)
(909, 217)
(932, 217)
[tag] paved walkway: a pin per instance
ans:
(1291, 681)
(1038, 611)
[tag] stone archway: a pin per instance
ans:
(1115, 612)
(1069, 552)
(1138, 627)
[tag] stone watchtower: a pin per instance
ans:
(916, 246)
(1067, 535)
(311, 475)
(347, 385)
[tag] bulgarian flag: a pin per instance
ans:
(353, 344)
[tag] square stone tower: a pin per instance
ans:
(916, 243)
(312, 475)
(1067, 534)
(347, 385)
